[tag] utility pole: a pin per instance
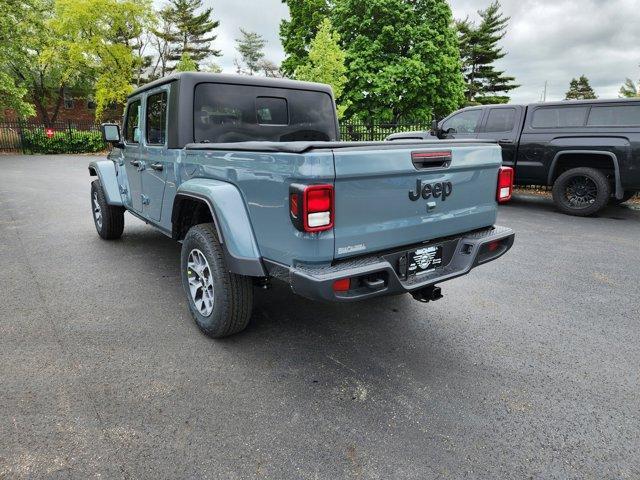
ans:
(544, 93)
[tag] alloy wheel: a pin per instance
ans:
(97, 211)
(200, 282)
(581, 191)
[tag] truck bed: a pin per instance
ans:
(379, 191)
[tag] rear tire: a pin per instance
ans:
(581, 191)
(108, 219)
(220, 302)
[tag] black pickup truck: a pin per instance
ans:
(589, 150)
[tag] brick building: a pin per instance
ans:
(80, 111)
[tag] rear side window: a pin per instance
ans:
(241, 113)
(464, 122)
(132, 123)
(615, 116)
(156, 119)
(501, 120)
(559, 117)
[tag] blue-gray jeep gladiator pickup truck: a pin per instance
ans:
(249, 174)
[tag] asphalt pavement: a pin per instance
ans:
(527, 368)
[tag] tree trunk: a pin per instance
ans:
(58, 104)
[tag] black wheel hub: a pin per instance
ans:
(581, 191)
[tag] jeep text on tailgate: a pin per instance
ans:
(249, 175)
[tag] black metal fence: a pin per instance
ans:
(368, 132)
(58, 137)
(83, 137)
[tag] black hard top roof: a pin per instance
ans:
(560, 103)
(564, 103)
(203, 77)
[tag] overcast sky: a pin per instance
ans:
(551, 40)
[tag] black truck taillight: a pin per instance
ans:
(505, 184)
(311, 207)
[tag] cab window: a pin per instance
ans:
(156, 118)
(464, 122)
(132, 123)
(501, 120)
(240, 113)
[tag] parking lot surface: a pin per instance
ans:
(528, 368)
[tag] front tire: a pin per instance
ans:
(581, 191)
(108, 219)
(220, 302)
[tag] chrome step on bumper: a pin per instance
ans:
(378, 274)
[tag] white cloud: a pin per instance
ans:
(262, 16)
(552, 40)
(556, 40)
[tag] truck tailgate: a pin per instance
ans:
(397, 195)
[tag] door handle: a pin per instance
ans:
(505, 141)
(157, 166)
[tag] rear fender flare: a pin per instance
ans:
(105, 170)
(231, 220)
(619, 191)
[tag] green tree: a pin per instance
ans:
(186, 26)
(17, 21)
(212, 67)
(479, 50)
(297, 32)
(629, 89)
(402, 58)
(186, 64)
(325, 62)
(97, 38)
(250, 46)
(270, 69)
(44, 66)
(161, 37)
(580, 89)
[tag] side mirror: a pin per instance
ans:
(436, 131)
(111, 134)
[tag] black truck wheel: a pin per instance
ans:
(628, 195)
(220, 302)
(581, 191)
(108, 219)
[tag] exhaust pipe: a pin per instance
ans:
(427, 294)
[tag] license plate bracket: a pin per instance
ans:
(424, 260)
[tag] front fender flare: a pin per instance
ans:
(105, 170)
(231, 221)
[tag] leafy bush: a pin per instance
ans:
(63, 141)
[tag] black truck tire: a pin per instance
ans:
(108, 219)
(628, 195)
(581, 191)
(220, 302)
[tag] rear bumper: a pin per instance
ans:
(378, 274)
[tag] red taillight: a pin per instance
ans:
(315, 202)
(318, 199)
(342, 285)
(505, 184)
